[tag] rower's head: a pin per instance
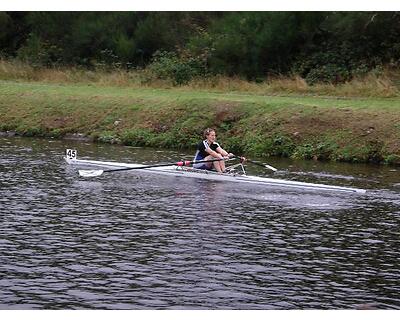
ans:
(210, 134)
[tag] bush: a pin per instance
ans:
(282, 146)
(40, 53)
(108, 137)
(233, 144)
(31, 131)
(316, 151)
(329, 73)
(136, 137)
(179, 69)
(329, 66)
(56, 133)
(370, 152)
(279, 145)
(392, 159)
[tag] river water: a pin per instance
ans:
(133, 241)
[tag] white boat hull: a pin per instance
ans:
(211, 175)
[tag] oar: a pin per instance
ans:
(260, 164)
(96, 173)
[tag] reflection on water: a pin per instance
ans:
(139, 241)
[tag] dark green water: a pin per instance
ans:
(136, 241)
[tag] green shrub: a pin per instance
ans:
(179, 69)
(108, 137)
(305, 151)
(329, 73)
(374, 151)
(348, 154)
(330, 65)
(163, 140)
(6, 127)
(262, 146)
(56, 133)
(324, 150)
(136, 137)
(234, 144)
(393, 159)
(282, 146)
(371, 152)
(31, 131)
(39, 52)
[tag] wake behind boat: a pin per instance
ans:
(236, 173)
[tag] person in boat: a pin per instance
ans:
(209, 149)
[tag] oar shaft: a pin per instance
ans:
(259, 164)
(179, 164)
(256, 163)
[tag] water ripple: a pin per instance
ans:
(130, 241)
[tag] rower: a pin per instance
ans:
(209, 149)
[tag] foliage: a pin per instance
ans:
(168, 65)
(40, 53)
(322, 150)
(328, 66)
(392, 159)
(256, 44)
(265, 146)
(328, 47)
(137, 137)
(31, 131)
(108, 137)
(349, 44)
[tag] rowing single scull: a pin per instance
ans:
(182, 170)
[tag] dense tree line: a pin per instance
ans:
(320, 46)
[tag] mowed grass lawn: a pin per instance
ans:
(87, 91)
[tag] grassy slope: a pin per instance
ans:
(346, 129)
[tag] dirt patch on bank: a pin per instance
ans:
(362, 125)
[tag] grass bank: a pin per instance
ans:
(381, 83)
(363, 129)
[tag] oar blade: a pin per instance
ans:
(267, 166)
(90, 173)
(271, 168)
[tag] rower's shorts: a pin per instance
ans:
(201, 166)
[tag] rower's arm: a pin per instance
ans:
(223, 152)
(214, 153)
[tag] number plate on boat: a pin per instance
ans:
(71, 154)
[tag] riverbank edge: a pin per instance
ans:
(391, 160)
(259, 126)
(394, 159)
